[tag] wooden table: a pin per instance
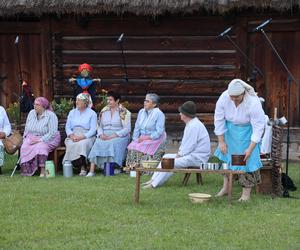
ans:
(139, 171)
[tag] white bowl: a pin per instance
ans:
(199, 197)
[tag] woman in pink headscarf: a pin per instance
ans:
(41, 136)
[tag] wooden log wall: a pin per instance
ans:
(178, 58)
(285, 35)
(34, 52)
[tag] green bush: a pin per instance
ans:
(62, 108)
(13, 112)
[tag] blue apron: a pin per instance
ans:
(238, 138)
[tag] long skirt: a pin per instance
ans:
(134, 157)
(148, 147)
(113, 150)
(75, 150)
(35, 155)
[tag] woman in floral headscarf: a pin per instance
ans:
(41, 136)
(113, 134)
(81, 128)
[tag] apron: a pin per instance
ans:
(238, 139)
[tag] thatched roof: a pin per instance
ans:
(140, 7)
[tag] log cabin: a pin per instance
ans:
(171, 48)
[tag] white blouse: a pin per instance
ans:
(195, 141)
(4, 122)
(113, 123)
(46, 126)
(249, 111)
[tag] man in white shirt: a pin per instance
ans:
(194, 149)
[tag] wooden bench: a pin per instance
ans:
(58, 152)
(139, 171)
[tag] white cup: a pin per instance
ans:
(225, 166)
(132, 173)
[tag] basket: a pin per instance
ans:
(149, 164)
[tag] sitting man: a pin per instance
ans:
(194, 149)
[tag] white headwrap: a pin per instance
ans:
(237, 87)
(86, 98)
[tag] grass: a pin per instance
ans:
(98, 213)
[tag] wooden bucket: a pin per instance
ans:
(238, 160)
(167, 163)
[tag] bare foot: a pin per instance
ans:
(222, 192)
(147, 183)
(149, 186)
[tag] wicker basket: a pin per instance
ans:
(149, 164)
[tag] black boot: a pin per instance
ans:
(0, 171)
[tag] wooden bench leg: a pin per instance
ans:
(229, 187)
(186, 179)
(199, 178)
(137, 187)
(56, 161)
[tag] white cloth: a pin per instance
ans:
(194, 149)
(249, 111)
(266, 142)
(4, 123)
(237, 87)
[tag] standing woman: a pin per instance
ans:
(41, 136)
(5, 130)
(149, 136)
(113, 134)
(81, 129)
(239, 124)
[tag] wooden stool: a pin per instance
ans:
(266, 180)
(187, 177)
(57, 153)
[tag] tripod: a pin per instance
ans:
(290, 78)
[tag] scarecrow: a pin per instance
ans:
(84, 82)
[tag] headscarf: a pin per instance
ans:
(85, 98)
(85, 66)
(237, 87)
(42, 101)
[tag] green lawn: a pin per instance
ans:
(98, 213)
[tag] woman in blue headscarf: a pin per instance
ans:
(239, 124)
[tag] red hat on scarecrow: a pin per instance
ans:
(85, 66)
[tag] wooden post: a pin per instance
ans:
(229, 187)
(137, 186)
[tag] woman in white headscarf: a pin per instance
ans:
(239, 124)
(81, 128)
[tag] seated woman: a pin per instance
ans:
(81, 128)
(194, 149)
(113, 134)
(149, 136)
(5, 130)
(41, 136)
